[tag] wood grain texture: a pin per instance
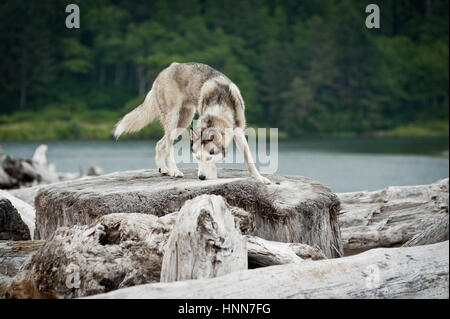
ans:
(204, 242)
(121, 250)
(118, 250)
(392, 216)
(406, 272)
(433, 234)
(263, 253)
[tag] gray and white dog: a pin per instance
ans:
(177, 92)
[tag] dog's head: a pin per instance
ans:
(208, 148)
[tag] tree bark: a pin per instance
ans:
(23, 79)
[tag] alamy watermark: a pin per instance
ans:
(373, 19)
(73, 19)
(262, 142)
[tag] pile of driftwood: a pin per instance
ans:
(16, 172)
(139, 235)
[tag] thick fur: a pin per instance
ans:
(137, 119)
(177, 93)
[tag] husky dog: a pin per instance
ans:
(177, 92)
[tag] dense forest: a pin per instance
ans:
(307, 67)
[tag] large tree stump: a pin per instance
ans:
(392, 216)
(297, 210)
(406, 272)
(204, 242)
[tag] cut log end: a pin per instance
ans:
(298, 210)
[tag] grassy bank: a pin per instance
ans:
(63, 124)
(81, 124)
(435, 128)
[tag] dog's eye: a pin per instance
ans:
(211, 152)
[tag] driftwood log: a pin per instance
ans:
(296, 210)
(14, 254)
(431, 235)
(204, 242)
(26, 194)
(18, 172)
(263, 253)
(392, 216)
(121, 250)
(406, 272)
(26, 211)
(12, 226)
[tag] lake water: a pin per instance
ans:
(343, 164)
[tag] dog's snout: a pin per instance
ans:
(202, 177)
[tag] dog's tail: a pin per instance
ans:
(138, 118)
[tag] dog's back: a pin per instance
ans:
(187, 80)
(181, 89)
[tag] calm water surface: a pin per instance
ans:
(344, 164)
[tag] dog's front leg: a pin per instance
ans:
(241, 143)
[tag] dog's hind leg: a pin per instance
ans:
(161, 151)
(180, 120)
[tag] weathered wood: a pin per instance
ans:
(297, 210)
(406, 272)
(26, 212)
(14, 254)
(392, 216)
(94, 170)
(263, 253)
(12, 226)
(16, 172)
(26, 194)
(431, 235)
(21, 172)
(204, 242)
(119, 250)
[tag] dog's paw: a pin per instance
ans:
(163, 170)
(264, 180)
(176, 173)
